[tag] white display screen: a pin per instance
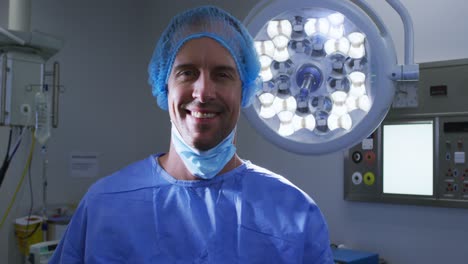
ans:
(408, 158)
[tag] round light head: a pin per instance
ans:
(338, 87)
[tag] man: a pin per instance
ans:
(199, 202)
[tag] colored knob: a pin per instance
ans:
(370, 157)
(369, 178)
(357, 157)
(356, 178)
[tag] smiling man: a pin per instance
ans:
(204, 105)
(199, 202)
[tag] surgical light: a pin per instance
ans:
(337, 45)
(267, 111)
(339, 96)
(285, 108)
(336, 25)
(281, 27)
(329, 72)
(310, 27)
(266, 74)
(285, 129)
(323, 25)
(364, 103)
(281, 54)
(265, 47)
(357, 49)
(281, 41)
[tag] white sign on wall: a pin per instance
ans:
(84, 164)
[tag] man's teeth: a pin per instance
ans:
(202, 115)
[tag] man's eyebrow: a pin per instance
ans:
(226, 68)
(183, 66)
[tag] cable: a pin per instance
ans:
(9, 144)
(28, 163)
(30, 191)
(16, 146)
(9, 155)
(5, 163)
(30, 207)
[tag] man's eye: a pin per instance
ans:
(185, 73)
(224, 75)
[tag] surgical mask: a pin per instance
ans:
(204, 164)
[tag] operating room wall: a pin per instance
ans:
(106, 108)
(4, 12)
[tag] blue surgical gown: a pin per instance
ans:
(141, 214)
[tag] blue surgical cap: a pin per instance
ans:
(205, 21)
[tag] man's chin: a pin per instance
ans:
(204, 146)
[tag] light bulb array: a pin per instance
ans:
(321, 48)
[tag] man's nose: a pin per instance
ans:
(204, 88)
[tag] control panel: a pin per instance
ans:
(418, 153)
(453, 171)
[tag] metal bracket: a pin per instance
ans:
(405, 73)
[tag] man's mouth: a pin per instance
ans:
(202, 114)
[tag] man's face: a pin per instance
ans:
(204, 93)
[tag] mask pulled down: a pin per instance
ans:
(204, 164)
